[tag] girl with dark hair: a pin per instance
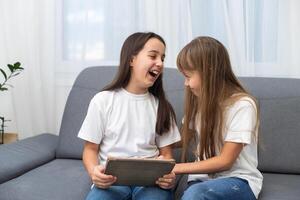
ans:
(131, 117)
(221, 117)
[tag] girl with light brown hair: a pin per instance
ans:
(221, 117)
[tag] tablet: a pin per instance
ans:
(138, 171)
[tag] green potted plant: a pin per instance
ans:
(14, 70)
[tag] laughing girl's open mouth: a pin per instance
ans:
(154, 73)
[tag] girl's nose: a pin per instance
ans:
(186, 83)
(159, 63)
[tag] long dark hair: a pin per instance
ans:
(131, 47)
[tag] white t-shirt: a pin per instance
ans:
(240, 128)
(124, 125)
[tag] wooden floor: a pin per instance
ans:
(10, 137)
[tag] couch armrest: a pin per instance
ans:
(19, 157)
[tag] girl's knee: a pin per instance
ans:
(151, 193)
(114, 192)
(195, 192)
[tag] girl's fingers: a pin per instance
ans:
(167, 181)
(104, 181)
(104, 184)
(165, 184)
(171, 175)
(100, 179)
(105, 177)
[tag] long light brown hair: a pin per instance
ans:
(219, 88)
(131, 47)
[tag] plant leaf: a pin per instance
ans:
(11, 67)
(17, 65)
(4, 74)
(3, 88)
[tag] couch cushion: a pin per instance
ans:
(22, 156)
(279, 135)
(70, 146)
(89, 82)
(58, 180)
(280, 186)
(174, 87)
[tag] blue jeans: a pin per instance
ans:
(219, 189)
(128, 193)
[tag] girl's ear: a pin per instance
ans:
(131, 61)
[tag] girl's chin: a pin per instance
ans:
(194, 92)
(151, 78)
(149, 84)
(151, 81)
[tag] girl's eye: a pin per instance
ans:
(153, 57)
(186, 76)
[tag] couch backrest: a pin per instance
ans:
(279, 101)
(279, 134)
(89, 82)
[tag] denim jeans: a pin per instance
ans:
(128, 193)
(219, 189)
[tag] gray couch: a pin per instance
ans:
(49, 167)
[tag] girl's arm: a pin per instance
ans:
(90, 156)
(166, 152)
(168, 180)
(222, 162)
(177, 144)
(95, 171)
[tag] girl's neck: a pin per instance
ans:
(134, 89)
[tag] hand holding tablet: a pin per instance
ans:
(138, 171)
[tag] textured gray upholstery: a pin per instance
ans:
(47, 167)
(280, 187)
(279, 135)
(57, 180)
(90, 82)
(20, 157)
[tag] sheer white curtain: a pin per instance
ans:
(262, 36)
(289, 38)
(94, 30)
(27, 36)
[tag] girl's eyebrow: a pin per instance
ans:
(155, 51)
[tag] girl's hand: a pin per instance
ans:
(167, 181)
(100, 179)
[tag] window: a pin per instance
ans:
(251, 24)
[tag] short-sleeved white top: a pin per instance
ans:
(240, 128)
(124, 125)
